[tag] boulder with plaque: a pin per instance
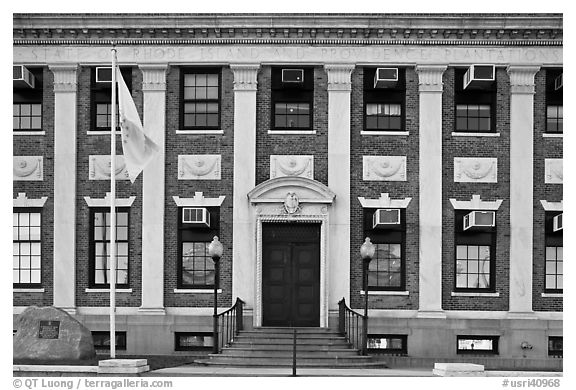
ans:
(49, 333)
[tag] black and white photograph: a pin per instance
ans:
(199, 196)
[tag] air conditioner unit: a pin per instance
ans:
(558, 82)
(479, 76)
(557, 224)
(293, 76)
(22, 77)
(386, 218)
(196, 215)
(104, 74)
(479, 219)
(385, 77)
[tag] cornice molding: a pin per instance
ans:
(87, 41)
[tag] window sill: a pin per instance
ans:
(200, 132)
(465, 134)
(107, 290)
(552, 295)
(475, 294)
(362, 292)
(368, 132)
(195, 291)
(292, 132)
(551, 135)
(102, 132)
(29, 132)
(27, 290)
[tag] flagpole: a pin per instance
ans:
(112, 264)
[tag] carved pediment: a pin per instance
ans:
(275, 191)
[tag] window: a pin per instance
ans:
(100, 247)
(554, 255)
(26, 266)
(200, 91)
(554, 102)
(102, 340)
(384, 106)
(482, 345)
(193, 341)
(473, 117)
(102, 100)
(196, 267)
(391, 343)
(386, 271)
(555, 347)
(292, 101)
(27, 103)
(474, 105)
(474, 256)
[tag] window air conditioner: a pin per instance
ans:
(479, 219)
(196, 215)
(22, 77)
(104, 74)
(478, 76)
(558, 82)
(557, 223)
(385, 77)
(385, 217)
(292, 75)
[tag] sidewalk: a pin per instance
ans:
(190, 370)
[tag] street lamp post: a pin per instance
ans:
(367, 251)
(215, 250)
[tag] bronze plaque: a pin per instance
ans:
(49, 330)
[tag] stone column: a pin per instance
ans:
(521, 188)
(339, 89)
(65, 90)
(430, 158)
(154, 121)
(243, 244)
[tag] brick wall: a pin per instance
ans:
(384, 145)
(40, 145)
(178, 144)
(290, 144)
(100, 145)
(498, 147)
(543, 148)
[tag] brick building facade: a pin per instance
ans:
(237, 135)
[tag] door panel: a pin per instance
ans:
(291, 275)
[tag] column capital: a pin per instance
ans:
(153, 77)
(339, 76)
(65, 77)
(522, 78)
(430, 77)
(245, 76)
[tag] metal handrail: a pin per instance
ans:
(230, 323)
(351, 325)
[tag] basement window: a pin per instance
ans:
(555, 347)
(102, 340)
(482, 345)
(388, 343)
(193, 341)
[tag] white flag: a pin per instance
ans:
(138, 148)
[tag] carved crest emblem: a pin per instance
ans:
(291, 203)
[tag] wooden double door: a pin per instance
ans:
(291, 274)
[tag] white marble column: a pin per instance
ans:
(154, 121)
(521, 188)
(430, 165)
(65, 91)
(338, 267)
(243, 245)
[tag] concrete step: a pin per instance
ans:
(303, 335)
(253, 353)
(291, 330)
(357, 362)
(275, 339)
(288, 346)
(288, 360)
